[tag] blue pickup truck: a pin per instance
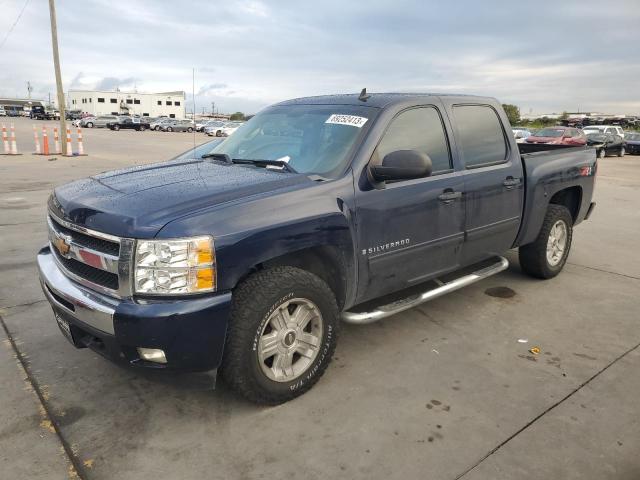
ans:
(243, 255)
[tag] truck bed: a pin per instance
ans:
(549, 169)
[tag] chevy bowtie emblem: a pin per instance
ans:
(63, 244)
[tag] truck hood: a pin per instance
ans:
(137, 202)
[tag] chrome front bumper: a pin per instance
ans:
(88, 307)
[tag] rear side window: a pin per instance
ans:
(480, 135)
(418, 129)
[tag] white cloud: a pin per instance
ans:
(248, 54)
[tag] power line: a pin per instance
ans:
(4, 40)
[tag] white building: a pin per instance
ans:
(97, 103)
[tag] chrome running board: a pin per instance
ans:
(415, 300)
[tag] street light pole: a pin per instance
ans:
(56, 65)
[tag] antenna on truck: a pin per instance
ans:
(363, 95)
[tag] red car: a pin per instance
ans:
(559, 136)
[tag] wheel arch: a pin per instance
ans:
(328, 262)
(571, 198)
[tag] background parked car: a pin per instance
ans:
(229, 128)
(101, 121)
(520, 134)
(559, 136)
(632, 141)
(606, 144)
(3, 113)
(200, 124)
(214, 128)
(612, 129)
(159, 122)
(128, 123)
(177, 126)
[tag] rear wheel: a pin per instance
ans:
(546, 256)
(190, 130)
(90, 124)
(218, 133)
(116, 127)
(169, 129)
(157, 129)
(621, 152)
(602, 153)
(282, 334)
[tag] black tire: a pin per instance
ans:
(254, 300)
(218, 133)
(90, 124)
(621, 152)
(533, 257)
(169, 129)
(190, 130)
(602, 153)
(157, 129)
(116, 127)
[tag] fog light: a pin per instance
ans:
(152, 355)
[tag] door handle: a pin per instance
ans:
(511, 182)
(448, 196)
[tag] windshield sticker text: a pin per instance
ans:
(352, 120)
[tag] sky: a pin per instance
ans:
(543, 56)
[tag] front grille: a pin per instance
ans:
(89, 273)
(98, 244)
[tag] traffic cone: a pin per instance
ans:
(56, 140)
(80, 146)
(69, 149)
(5, 140)
(36, 140)
(45, 141)
(14, 145)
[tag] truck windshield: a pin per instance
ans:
(313, 139)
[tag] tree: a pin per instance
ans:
(237, 116)
(513, 113)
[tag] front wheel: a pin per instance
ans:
(90, 124)
(602, 153)
(116, 127)
(169, 129)
(546, 256)
(621, 152)
(190, 130)
(282, 334)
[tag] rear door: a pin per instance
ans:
(494, 183)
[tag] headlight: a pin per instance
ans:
(175, 267)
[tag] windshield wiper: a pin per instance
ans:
(218, 156)
(264, 163)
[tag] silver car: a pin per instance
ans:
(214, 129)
(177, 126)
(98, 122)
(159, 122)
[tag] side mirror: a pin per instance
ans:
(402, 165)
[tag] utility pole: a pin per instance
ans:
(29, 89)
(56, 65)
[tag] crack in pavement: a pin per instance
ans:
(538, 417)
(604, 271)
(27, 304)
(75, 462)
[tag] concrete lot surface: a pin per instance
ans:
(443, 391)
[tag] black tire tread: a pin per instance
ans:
(533, 257)
(250, 299)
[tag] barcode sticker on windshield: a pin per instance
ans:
(352, 120)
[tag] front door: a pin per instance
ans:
(409, 231)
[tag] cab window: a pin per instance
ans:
(418, 129)
(480, 135)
